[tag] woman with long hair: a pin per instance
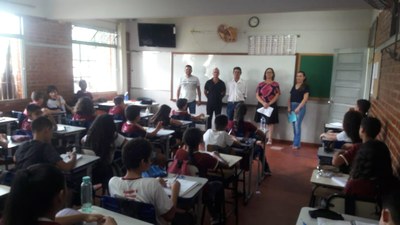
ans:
(297, 104)
(267, 95)
(37, 194)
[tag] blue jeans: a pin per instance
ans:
(230, 109)
(192, 107)
(297, 124)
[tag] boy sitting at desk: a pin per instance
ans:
(117, 111)
(56, 102)
(369, 129)
(182, 113)
(390, 214)
(33, 111)
(39, 150)
(136, 156)
(38, 99)
(132, 128)
(219, 136)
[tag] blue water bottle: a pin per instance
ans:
(86, 194)
(263, 123)
(126, 96)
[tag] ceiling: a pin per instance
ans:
(137, 9)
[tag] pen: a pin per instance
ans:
(176, 178)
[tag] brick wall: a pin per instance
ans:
(48, 59)
(386, 106)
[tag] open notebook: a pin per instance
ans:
(65, 157)
(186, 185)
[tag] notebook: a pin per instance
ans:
(66, 158)
(186, 185)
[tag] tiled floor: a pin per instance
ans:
(282, 195)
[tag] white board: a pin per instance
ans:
(253, 67)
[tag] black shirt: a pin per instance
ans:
(297, 95)
(33, 152)
(214, 91)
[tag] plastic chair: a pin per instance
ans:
(131, 208)
(351, 205)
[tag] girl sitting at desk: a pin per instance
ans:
(241, 128)
(37, 193)
(84, 113)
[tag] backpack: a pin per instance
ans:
(179, 167)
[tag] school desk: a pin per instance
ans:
(119, 218)
(68, 130)
(326, 179)
(305, 218)
(7, 121)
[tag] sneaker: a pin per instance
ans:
(269, 143)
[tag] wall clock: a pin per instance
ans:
(254, 21)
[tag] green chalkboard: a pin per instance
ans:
(318, 69)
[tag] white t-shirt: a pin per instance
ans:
(56, 104)
(342, 136)
(188, 87)
(147, 190)
(220, 138)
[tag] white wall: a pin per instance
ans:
(320, 32)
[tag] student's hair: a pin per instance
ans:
(41, 123)
(373, 162)
(304, 84)
(220, 122)
(118, 100)
(84, 106)
(37, 95)
(265, 73)
(192, 138)
(363, 106)
(131, 112)
(391, 201)
(189, 66)
(33, 108)
(238, 117)
(237, 68)
(351, 125)
(371, 125)
(101, 135)
(82, 84)
(135, 151)
(51, 88)
(182, 102)
(32, 194)
(161, 115)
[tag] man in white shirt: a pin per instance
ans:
(236, 91)
(188, 85)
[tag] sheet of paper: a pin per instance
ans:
(186, 185)
(340, 180)
(266, 111)
(66, 158)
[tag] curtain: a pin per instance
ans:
(8, 88)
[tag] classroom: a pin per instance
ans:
(61, 42)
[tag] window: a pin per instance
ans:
(94, 58)
(12, 79)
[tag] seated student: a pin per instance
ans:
(3, 140)
(83, 92)
(132, 128)
(362, 107)
(117, 111)
(103, 138)
(136, 156)
(182, 113)
(163, 115)
(219, 136)
(36, 194)
(33, 112)
(390, 214)
(40, 150)
(84, 111)
(371, 173)
(241, 128)
(369, 129)
(213, 195)
(37, 99)
(56, 102)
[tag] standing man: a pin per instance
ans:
(189, 84)
(214, 90)
(237, 92)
